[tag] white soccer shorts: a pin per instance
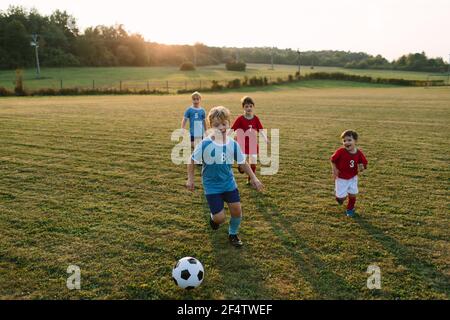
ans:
(252, 158)
(345, 186)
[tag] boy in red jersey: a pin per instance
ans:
(247, 127)
(346, 162)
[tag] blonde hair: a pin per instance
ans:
(196, 94)
(218, 113)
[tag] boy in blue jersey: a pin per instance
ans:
(217, 153)
(196, 116)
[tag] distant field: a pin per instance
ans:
(88, 181)
(157, 77)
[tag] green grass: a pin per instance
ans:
(88, 181)
(157, 77)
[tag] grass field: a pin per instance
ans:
(88, 181)
(157, 77)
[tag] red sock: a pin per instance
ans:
(351, 203)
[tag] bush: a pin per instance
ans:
(256, 82)
(5, 92)
(234, 84)
(236, 66)
(215, 85)
(187, 66)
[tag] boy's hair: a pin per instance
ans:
(196, 94)
(349, 133)
(221, 113)
(247, 100)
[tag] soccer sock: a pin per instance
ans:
(339, 200)
(235, 222)
(351, 203)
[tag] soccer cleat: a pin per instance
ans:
(350, 213)
(213, 225)
(235, 241)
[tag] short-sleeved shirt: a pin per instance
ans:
(347, 163)
(217, 160)
(247, 136)
(196, 117)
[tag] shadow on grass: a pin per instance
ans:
(241, 278)
(325, 283)
(404, 256)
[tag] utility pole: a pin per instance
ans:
(195, 56)
(34, 43)
(298, 52)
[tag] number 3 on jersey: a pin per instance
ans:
(352, 163)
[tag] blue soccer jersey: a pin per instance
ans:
(217, 160)
(196, 117)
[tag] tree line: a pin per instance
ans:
(62, 44)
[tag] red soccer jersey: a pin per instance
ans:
(247, 137)
(347, 163)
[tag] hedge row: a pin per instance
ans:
(338, 76)
(75, 91)
(233, 84)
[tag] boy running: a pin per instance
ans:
(217, 152)
(345, 163)
(196, 116)
(247, 127)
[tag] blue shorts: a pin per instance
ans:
(216, 201)
(193, 138)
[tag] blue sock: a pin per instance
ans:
(235, 222)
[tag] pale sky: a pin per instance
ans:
(387, 27)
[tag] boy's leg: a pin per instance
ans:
(192, 143)
(351, 201)
(253, 161)
(234, 204)
(218, 218)
(216, 206)
(341, 186)
(239, 168)
(236, 217)
(352, 192)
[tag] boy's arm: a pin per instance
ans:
(362, 165)
(265, 137)
(254, 180)
(185, 118)
(335, 157)
(190, 173)
(334, 170)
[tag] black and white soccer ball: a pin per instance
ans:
(188, 273)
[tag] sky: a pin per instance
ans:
(387, 27)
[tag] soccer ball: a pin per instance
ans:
(188, 273)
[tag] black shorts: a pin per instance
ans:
(216, 201)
